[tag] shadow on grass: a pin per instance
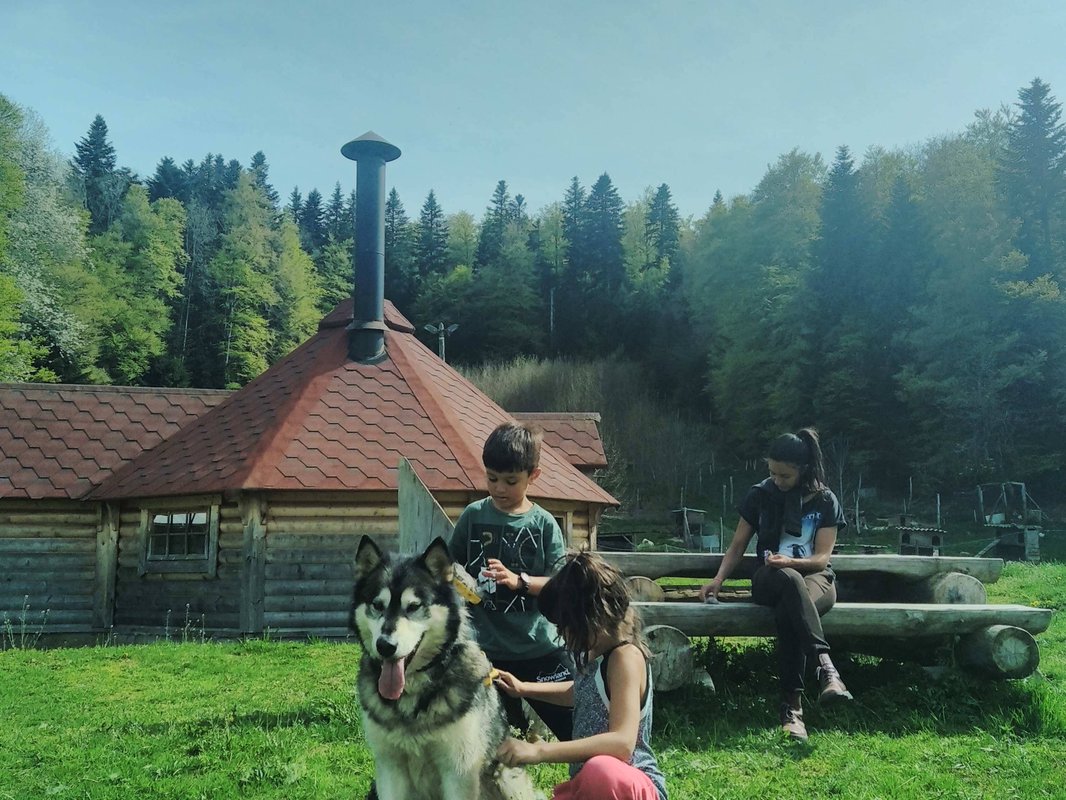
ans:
(324, 714)
(891, 698)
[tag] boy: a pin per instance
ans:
(510, 544)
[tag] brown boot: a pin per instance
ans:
(833, 688)
(792, 722)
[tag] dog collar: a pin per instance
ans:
(493, 675)
(465, 591)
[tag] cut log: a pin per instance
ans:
(673, 663)
(948, 587)
(846, 619)
(641, 588)
(705, 565)
(999, 651)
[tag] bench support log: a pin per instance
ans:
(673, 663)
(999, 651)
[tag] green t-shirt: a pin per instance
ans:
(508, 624)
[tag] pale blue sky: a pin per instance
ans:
(700, 95)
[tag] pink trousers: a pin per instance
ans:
(607, 778)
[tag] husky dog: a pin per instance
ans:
(432, 717)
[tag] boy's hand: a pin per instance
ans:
(495, 570)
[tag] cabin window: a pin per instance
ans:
(179, 539)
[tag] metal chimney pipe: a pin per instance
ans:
(366, 334)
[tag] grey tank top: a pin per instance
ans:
(592, 712)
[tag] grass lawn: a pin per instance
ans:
(262, 719)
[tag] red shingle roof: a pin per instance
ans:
(58, 441)
(318, 421)
(575, 434)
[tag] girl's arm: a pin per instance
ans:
(559, 693)
(626, 672)
(824, 541)
(732, 557)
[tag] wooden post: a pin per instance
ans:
(999, 651)
(106, 566)
(421, 518)
(253, 564)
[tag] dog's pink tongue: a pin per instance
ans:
(391, 682)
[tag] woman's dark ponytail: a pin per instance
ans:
(802, 450)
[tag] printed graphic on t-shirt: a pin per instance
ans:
(517, 548)
(801, 546)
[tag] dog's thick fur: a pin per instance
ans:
(431, 716)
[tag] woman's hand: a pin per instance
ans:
(710, 589)
(495, 570)
(778, 561)
(509, 684)
(514, 752)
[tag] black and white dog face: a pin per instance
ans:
(405, 610)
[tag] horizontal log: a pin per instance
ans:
(45, 530)
(297, 571)
(345, 511)
(846, 619)
(38, 619)
(1000, 651)
(673, 663)
(705, 565)
(310, 587)
(9, 603)
(45, 563)
(300, 603)
(305, 619)
(31, 546)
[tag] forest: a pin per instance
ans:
(907, 302)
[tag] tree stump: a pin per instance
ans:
(951, 587)
(673, 663)
(641, 588)
(999, 651)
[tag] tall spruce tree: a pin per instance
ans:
(401, 274)
(497, 215)
(663, 226)
(96, 176)
(1033, 177)
(431, 249)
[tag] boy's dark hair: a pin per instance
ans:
(803, 451)
(512, 447)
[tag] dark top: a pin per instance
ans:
(763, 507)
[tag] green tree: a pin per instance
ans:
(401, 273)
(313, 222)
(431, 247)
(663, 226)
(1033, 177)
(462, 239)
(242, 288)
(97, 178)
(293, 316)
(497, 215)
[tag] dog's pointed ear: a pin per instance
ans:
(439, 561)
(367, 558)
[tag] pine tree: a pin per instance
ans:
(1033, 176)
(295, 206)
(431, 249)
(261, 177)
(313, 222)
(401, 276)
(663, 226)
(603, 219)
(336, 225)
(497, 215)
(169, 180)
(99, 182)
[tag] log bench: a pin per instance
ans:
(906, 607)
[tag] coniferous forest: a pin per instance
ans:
(907, 302)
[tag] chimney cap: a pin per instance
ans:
(370, 145)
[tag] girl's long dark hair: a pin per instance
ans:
(803, 451)
(588, 599)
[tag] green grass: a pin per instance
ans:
(278, 720)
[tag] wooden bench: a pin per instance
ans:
(897, 606)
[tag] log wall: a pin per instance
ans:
(157, 601)
(48, 565)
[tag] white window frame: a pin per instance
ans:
(155, 563)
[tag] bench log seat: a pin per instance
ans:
(994, 639)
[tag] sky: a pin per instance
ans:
(700, 95)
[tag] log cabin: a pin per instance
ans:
(135, 510)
